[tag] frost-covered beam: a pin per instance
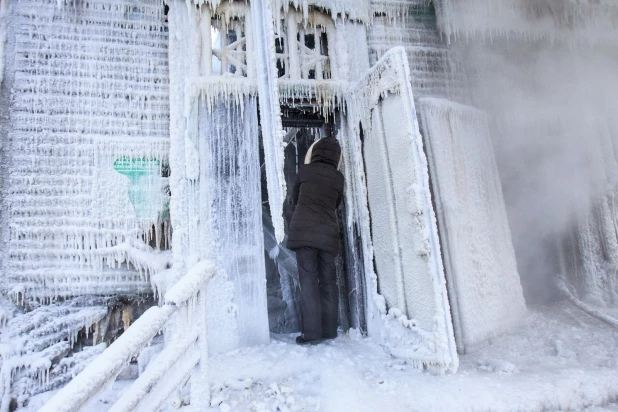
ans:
(157, 369)
(191, 283)
(106, 367)
(270, 112)
(595, 313)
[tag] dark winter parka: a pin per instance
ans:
(318, 191)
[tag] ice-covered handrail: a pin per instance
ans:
(130, 400)
(106, 367)
(595, 313)
(187, 287)
(110, 363)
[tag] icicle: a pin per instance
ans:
(272, 131)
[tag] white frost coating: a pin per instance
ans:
(33, 341)
(564, 290)
(329, 95)
(107, 366)
(348, 9)
(4, 6)
(190, 284)
(592, 21)
(228, 199)
(270, 112)
(435, 69)
(160, 366)
(421, 331)
(485, 290)
(76, 110)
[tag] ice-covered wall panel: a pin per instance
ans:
(484, 286)
(583, 21)
(435, 69)
(4, 6)
(90, 86)
(387, 186)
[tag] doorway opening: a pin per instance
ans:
(303, 125)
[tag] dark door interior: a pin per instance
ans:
(303, 125)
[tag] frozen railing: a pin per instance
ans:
(176, 362)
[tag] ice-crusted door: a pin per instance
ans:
(388, 183)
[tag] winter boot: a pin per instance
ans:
(300, 340)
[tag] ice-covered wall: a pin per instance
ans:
(484, 287)
(594, 21)
(4, 7)
(435, 69)
(90, 88)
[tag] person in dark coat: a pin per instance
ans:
(314, 235)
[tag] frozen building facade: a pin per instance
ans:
(148, 149)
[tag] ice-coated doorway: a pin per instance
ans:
(303, 125)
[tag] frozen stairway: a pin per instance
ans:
(35, 348)
(183, 311)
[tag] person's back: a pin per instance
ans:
(314, 235)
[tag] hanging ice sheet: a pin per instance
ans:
(484, 287)
(407, 299)
(270, 111)
(230, 199)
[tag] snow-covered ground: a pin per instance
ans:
(559, 359)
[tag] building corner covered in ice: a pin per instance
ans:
(148, 154)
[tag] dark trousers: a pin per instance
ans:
(319, 294)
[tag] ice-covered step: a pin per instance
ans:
(35, 342)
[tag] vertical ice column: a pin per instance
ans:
(270, 112)
(228, 139)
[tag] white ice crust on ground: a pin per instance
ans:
(591, 21)
(560, 359)
(485, 290)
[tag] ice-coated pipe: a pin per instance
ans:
(205, 27)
